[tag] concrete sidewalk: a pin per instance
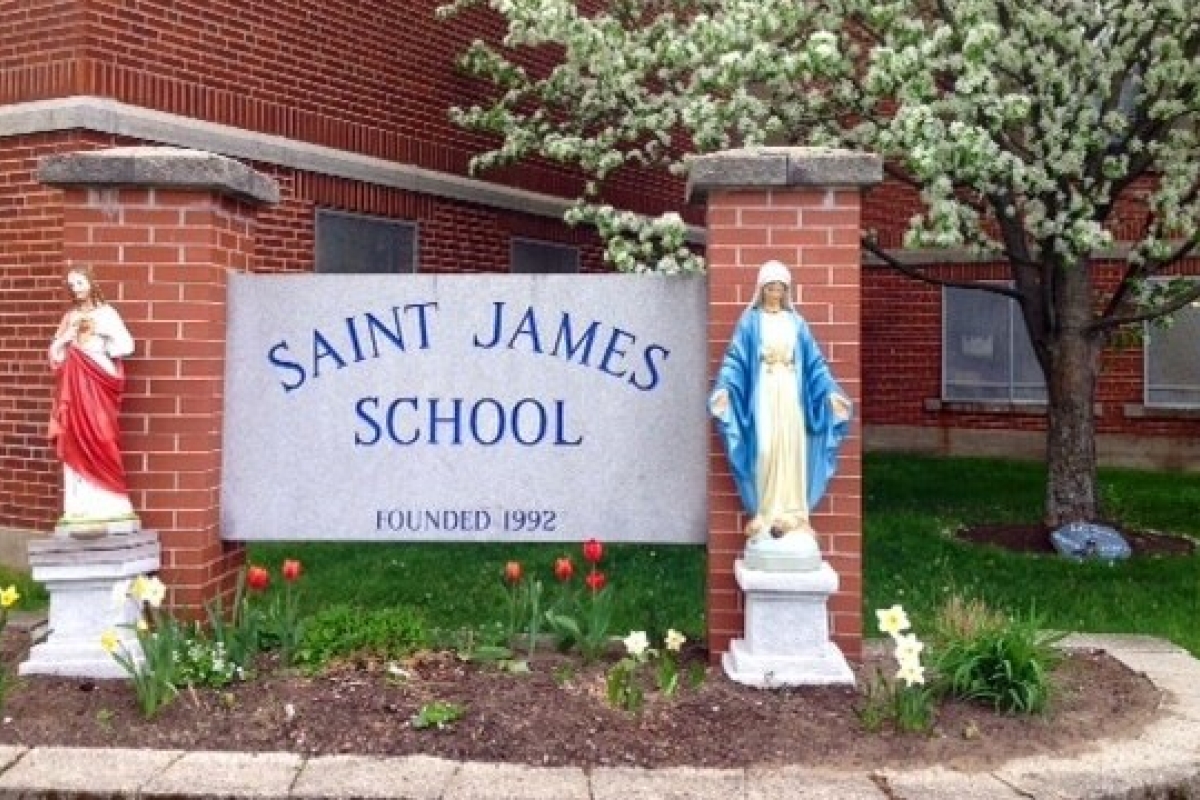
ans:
(1162, 762)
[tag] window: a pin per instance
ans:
(986, 354)
(544, 257)
(1173, 361)
(358, 243)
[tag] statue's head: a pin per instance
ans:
(776, 275)
(82, 285)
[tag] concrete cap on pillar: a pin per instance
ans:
(758, 167)
(159, 167)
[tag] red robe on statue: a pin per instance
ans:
(83, 422)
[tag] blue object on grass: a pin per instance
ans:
(1080, 540)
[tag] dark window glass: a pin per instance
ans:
(358, 243)
(543, 257)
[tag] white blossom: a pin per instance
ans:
(636, 643)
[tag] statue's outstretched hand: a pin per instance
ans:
(841, 406)
(718, 404)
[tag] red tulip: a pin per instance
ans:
(291, 570)
(257, 578)
(564, 569)
(593, 551)
(595, 581)
(512, 572)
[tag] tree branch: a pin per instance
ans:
(1111, 321)
(920, 275)
(1154, 313)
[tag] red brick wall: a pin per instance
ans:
(902, 346)
(371, 76)
(40, 49)
(453, 237)
(820, 242)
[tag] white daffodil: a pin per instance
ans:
(120, 593)
(911, 673)
(154, 592)
(908, 648)
(892, 620)
(674, 640)
(636, 643)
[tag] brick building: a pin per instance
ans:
(344, 104)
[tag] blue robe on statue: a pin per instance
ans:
(740, 375)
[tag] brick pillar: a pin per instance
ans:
(803, 207)
(162, 228)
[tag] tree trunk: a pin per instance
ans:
(1071, 486)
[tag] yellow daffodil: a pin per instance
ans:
(9, 597)
(110, 641)
(137, 589)
(674, 640)
(892, 620)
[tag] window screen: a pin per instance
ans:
(1173, 361)
(986, 354)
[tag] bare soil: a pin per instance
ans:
(557, 715)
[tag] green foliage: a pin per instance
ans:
(438, 715)
(623, 688)
(340, 631)
(455, 585)
(201, 661)
(910, 708)
(9, 597)
(235, 630)
(581, 621)
(279, 623)
(1005, 663)
(156, 678)
(625, 681)
(524, 612)
(32, 595)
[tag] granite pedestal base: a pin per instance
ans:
(787, 630)
(80, 576)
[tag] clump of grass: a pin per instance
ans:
(986, 656)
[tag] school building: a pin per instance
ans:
(344, 104)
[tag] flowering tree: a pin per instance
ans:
(1022, 125)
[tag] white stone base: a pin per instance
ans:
(787, 630)
(80, 577)
(96, 528)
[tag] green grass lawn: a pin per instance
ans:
(460, 585)
(912, 506)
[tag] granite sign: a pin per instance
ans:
(465, 408)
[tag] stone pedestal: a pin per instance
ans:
(787, 630)
(80, 577)
(97, 528)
